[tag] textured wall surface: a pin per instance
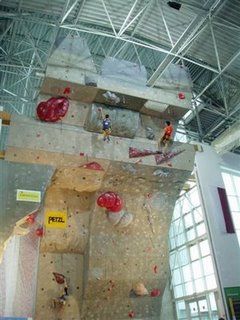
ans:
(15, 176)
(102, 263)
(69, 140)
(115, 258)
(72, 266)
(125, 122)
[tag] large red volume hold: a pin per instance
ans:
(53, 109)
(111, 201)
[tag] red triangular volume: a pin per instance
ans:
(60, 278)
(161, 158)
(135, 153)
(93, 166)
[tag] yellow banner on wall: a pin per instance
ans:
(28, 195)
(56, 219)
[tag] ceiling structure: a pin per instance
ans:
(202, 35)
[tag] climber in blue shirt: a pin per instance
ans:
(106, 126)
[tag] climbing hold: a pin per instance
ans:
(93, 166)
(181, 95)
(53, 109)
(125, 220)
(155, 293)
(39, 232)
(161, 173)
(60, 278)
(30, 219)
(114, 218)
(67, 90)
(121, 220)
(149, 133)
(140, 290)
(111, 201)
(131, 314)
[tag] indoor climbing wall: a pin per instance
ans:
(71, 264)
(103, 259)
(116, 268)
(123, 257)
(62, 250)
(107, 211)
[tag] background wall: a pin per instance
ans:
(224, 245)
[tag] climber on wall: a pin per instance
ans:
(166, 140)
(106, 126)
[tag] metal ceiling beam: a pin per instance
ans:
(109, 18)
(135, 27)
(69, 10)
(79, 10)
(189, 32)
(31, 40)
(219, 65)
(165, 23)
(129, 39)
(215, 127)
(237, 54)
(127, 18)
(137, 42)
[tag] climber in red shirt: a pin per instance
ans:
(166, 139)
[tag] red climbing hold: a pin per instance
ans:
(131, 314)
(181, 95)
(53, 109)
(93, 166)
(30, 219)
(67, 90)
(155, 293)
(39, 232)
(111, 201)
(60, 278)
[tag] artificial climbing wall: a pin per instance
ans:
(102, 262)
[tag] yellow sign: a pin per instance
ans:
(28, 195)
(56, 219)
